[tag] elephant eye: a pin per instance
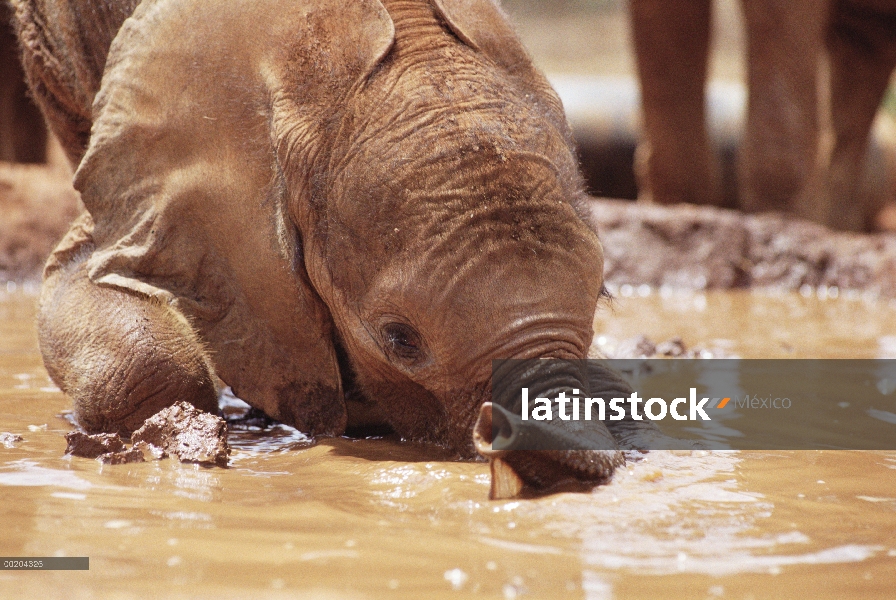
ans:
(402, 342)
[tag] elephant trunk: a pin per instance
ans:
(535, 457)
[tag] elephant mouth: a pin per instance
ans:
(533, 473)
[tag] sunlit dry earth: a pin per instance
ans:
(373, 518)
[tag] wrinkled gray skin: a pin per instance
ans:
(344, 210)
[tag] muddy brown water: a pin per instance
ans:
(376, 518)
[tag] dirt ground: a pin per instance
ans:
(37, 204)
(690, 247)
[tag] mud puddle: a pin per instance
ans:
(373, 518)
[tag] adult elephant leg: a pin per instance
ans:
(778, 152)
(676, 162)
(862, 46)
(23, 135)
(119, 355)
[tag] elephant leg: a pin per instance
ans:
(120, 356)
(862, 46)
(677, 162)
(779, 148)
(23, 135)
(64, 47)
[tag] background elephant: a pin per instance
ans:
(37, 202)
(23, 134)
(808, 119)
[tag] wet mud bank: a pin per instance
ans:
(681, 247)
(697, 248)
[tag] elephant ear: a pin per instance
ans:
(336, 45)
(482, 25)
(191, 202)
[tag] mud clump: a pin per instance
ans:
(135, 454)
(188, 433)
(108, 448)
(92, 445)
(181, 430)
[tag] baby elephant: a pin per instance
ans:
(342, 209)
